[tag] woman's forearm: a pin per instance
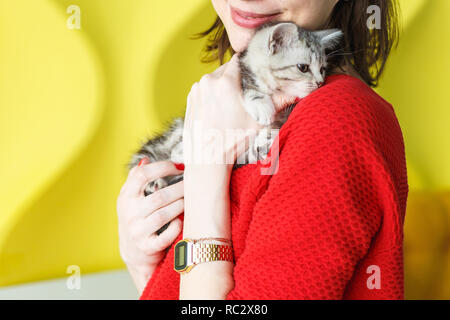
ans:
(140, 276)
(207, 214)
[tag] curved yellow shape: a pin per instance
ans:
(50, 98)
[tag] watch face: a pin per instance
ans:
(181, 255)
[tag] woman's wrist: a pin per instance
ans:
(209, 170)
(207, 201)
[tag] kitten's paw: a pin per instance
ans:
(261, 110)
(263, 142)
(264, 137)
(154, 186)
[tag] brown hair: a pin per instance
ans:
(365, 49)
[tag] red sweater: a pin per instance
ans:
(330, 221)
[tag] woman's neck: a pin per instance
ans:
(349, 70)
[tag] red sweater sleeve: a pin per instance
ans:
(321, 210)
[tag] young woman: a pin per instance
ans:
(329, 223)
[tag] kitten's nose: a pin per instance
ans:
(319, 84)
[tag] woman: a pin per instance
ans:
(329, 223)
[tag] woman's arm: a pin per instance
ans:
(207, 214)
(214, 104)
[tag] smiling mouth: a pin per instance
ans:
(251, 20)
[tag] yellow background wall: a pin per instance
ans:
(74, 105)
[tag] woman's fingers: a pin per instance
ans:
(162, 198)
(232, 67)
(280, 102)
(233, 64)
(219, 71)
(192, 98)
(155, 221)
(139, 176)
(160, 217)
(157, 243)
(169, 235)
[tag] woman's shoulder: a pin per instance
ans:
(344, 119)
(348, 90)
(344, 106)
(341, 133)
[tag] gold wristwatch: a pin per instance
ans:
(189, 252)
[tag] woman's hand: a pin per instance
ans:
(140, 217)
(215, 105)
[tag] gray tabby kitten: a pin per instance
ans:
(283, 60)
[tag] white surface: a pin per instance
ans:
(112, 285)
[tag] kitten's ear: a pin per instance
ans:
(281, 35)
(329, 38)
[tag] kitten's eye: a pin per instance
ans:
(303, 68)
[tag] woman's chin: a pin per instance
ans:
(239, 39)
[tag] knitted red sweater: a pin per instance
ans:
(329, 223)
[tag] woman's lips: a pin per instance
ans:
(250, 20)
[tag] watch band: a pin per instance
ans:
(214, 239)
(205, 252)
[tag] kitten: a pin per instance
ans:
(281, 60)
